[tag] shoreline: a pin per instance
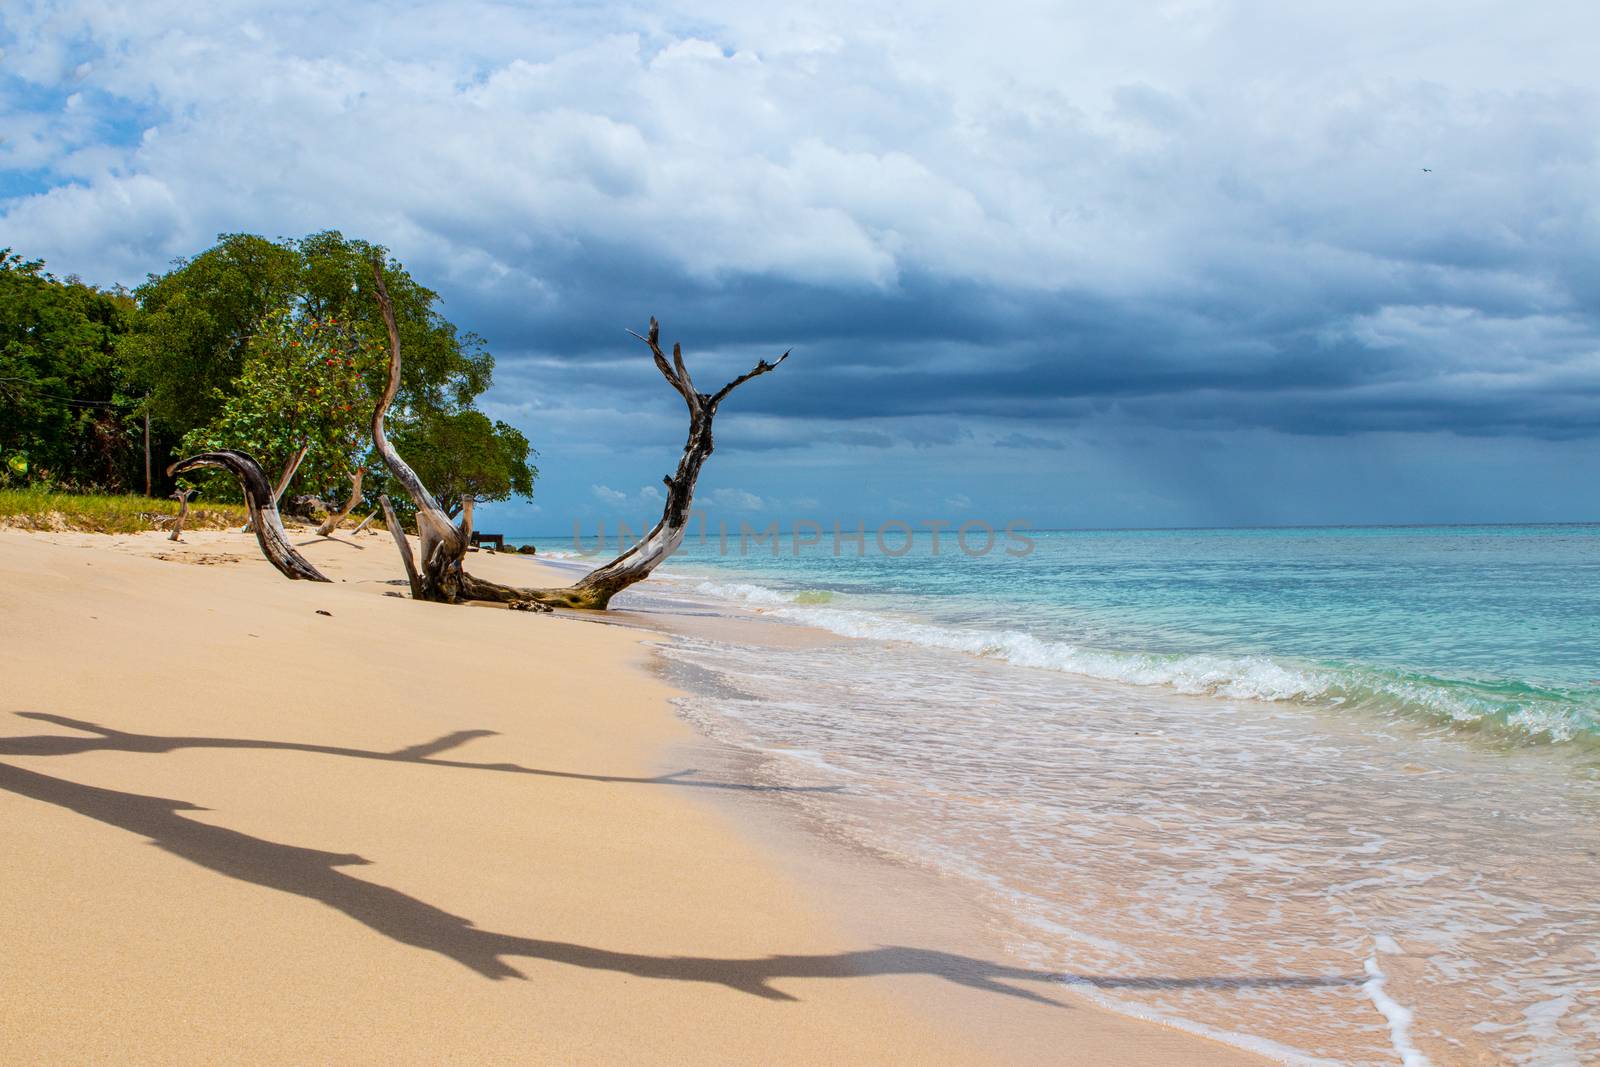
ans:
(313, 896)
(1378, 864)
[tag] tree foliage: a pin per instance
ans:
(67, 419)
(223, 351)
(188, 341)
(464, 454)
(304, 382)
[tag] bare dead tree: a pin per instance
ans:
(182, 496)
(284, 478)
(263, 507)
(331, 523)
(288, 473)
(594, 590)
(436, 572)
(392, 521)
(439, 575)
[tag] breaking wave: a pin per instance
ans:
(1517, 711)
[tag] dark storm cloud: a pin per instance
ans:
(1184, 215)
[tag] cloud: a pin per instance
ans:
(736, 500)
(1201, 216)
(1027, 441)
(648, 494)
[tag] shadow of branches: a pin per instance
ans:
(104, 738)
(319, 875)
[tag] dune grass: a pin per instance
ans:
(40, 509)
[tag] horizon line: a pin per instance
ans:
(1221, 529)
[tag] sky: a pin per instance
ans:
(1187, 263)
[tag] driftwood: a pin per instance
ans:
(363, 524)
(263, 507)
(285, 476)
(182, 496)
(406, 558)
(442, 543)
(595, 589)
(437, 574)
(331, 523)
(288, 473)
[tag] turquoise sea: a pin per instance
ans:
(1331, 794)
(1494, 628)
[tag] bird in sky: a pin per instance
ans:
(1427, 170)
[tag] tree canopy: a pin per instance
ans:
(253, 344)
(188, 341)
(464, 454)
(305, 383)
(66, 412)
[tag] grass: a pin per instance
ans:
(39, 509)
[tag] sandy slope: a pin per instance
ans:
(236, 830)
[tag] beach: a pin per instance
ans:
(253, 820)
(1325, 793)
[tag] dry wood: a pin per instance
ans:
(442, 545)
(393, 522)
(285, 476)
(331, 523)
(439, 574)
(288, 473)
(182, 496)
(596, 589)
(264, 518)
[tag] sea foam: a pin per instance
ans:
(1517, 711)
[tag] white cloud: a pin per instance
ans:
(1244, 175)
(844, 146)
(648, 494)
(736, 500)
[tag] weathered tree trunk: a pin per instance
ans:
(406, 558)
(595, 590)
(263, 510)
(442, 544)
(331, 523)
(285, 476)
(182, 496)
(289, 470)
(439, 574)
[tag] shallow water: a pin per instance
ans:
(1495, 628)
(1177, 810)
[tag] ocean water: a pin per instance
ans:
(1332, 794)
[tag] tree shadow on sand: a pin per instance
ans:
(316, 875)
(105, 739)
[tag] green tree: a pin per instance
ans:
(444, 370)
(464, 454)
(214, 352)
(194, 334)
(195, 322)
(66, 413)
(305, 383)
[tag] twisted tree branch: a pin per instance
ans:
(264, 518)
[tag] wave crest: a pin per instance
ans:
(1525, 713)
